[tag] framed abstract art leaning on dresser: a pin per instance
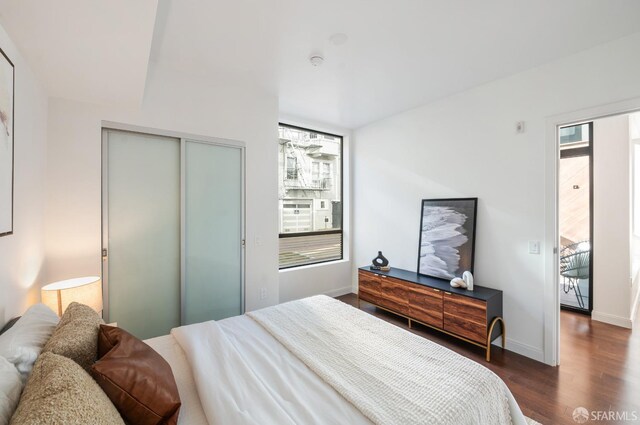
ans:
(6, 144)
(447, 237)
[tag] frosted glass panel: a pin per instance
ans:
(144, 233)
(213, 223)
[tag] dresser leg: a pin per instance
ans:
(358, 303)
(409, 323)
(503, 332)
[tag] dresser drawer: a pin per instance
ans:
(465, 307)
(471, 330)
(393, 294)
(368, 283)
(370, 297)
(425, 304)
(466, 317)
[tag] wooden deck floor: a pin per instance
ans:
(600, 368)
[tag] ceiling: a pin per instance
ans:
(88, 50)
(399, 54)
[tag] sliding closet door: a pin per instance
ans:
(213, 198)
(142, 230)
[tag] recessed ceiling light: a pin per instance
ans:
(338, 39)
(316, 60)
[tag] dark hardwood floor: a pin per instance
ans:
(600, 368)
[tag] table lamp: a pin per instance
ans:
(84, 290)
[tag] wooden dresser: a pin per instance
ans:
(468, 315)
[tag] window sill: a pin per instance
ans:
(312, 266)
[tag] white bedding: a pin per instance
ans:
(243, 375)
(191, 410)
(394, 377)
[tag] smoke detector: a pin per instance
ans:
(316, 60)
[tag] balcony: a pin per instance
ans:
(321, 184)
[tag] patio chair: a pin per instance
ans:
(574, 265)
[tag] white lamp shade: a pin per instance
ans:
(84, 290)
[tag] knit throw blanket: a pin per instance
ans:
(391, 375)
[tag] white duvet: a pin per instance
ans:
(247, 373)
(245, 376)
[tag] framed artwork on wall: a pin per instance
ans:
(7, 80)
(447, 237)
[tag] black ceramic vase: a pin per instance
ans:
(380, 260)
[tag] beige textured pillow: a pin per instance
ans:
(76, 336)
(60, 392)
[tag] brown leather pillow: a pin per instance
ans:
(138, 380)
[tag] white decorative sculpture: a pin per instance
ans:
(456, 282)
(466, 282)
(468, 279)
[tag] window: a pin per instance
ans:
(292, 168)
(326, 175)
(310, 196)
(574, 136)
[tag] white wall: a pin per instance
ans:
(634, 137)
(22, 254)
(466, 145)
(611, 220)
(332, 278)
(172, 102)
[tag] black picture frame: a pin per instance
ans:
(8, 120)
(456, 219)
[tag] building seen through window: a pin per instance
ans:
(310, 196)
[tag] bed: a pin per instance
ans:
(320, 361)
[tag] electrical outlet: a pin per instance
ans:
(263, 293)
(534, 247)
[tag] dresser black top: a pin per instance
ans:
(479, 292)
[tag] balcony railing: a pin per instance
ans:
(322, 184)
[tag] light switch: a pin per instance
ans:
(534, 247)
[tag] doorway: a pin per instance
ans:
(616, 269)
(575, 214)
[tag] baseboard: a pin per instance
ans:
(612, 319)
(634, 308)
(340, 291)
(522, 349)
